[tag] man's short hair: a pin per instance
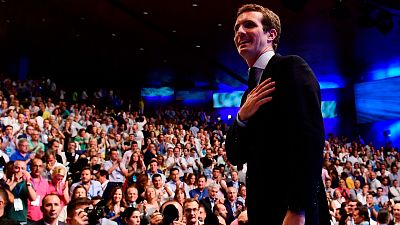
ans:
(45, 197)
(86, 168)
(103, 173)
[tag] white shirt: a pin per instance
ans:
(261, 63)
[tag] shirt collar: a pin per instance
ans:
(263, 60)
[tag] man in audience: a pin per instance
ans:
(21, 187)
(41, 186)
(232, 205)
(153, 169)
(35, 144)
(201, 191)
(4, 201)
(76, 213)
(51, 208)
(177, 161)
(212, 199)
(93, 187)
(175, 182)
(116, 174)
(234, 182)
(22, 153)
(191, 211)
(9, 141)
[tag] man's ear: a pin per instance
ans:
(272, 34)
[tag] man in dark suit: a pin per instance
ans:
(232, 205)
(51, 207)
(234, 182)
(279, 121)
(212, 199)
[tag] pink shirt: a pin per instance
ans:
(42, 189)
(60, 193)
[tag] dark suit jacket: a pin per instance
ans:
(230, 184)
(41, 222)
(206, 202)
(288, 131)
(230, 216)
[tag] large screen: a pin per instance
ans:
(161, 91)
(231, 99)
(377, 100)
(328, 109)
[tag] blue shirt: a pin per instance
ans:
(17, 156)
(197, 191)
(95, 188)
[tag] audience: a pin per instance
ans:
(134, 166)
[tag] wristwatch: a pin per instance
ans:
(29, 184)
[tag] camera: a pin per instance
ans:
(96, 213)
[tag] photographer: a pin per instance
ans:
(80, 211)
(76, 214)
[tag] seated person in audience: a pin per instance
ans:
(163, 192)
(201, 191)
(51, 208)
(6, 201)
(93, 186)
(21, 187)
(58, 186)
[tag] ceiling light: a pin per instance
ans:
(173, 31)
(145, 13)
(141, 49)
(197, 46)
(113, 34)
(194, 5)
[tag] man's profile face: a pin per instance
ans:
(250, 38)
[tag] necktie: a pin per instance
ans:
(254, 77)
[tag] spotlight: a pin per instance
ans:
(384, 21)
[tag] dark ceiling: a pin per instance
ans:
(182, 43)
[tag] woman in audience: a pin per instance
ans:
(131, 216)
(180, 195)
(150, 203)
(116, 205)
(242, 194)
(135, 167)
(191, 181)
(58, 185)
(79, 191)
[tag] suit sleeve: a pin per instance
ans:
(307, 134)
(236, 140)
